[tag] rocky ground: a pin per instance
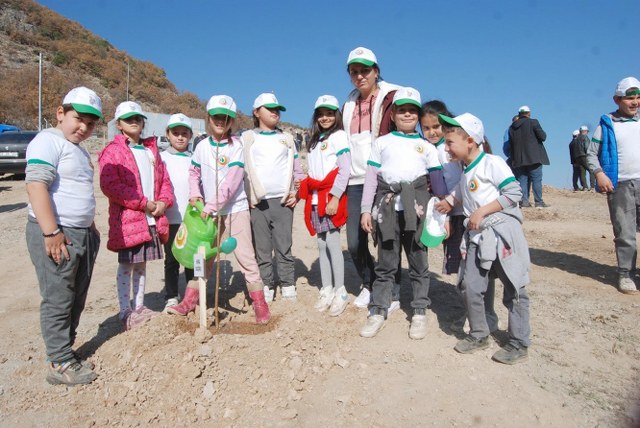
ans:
(306, 368)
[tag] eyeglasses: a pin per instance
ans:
(364, 71)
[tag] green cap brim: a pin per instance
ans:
(85, 109)
(362, 61)
(404, 101)
(131, 114)
(446, 120)
(278, 106)
(174, 125)
(222, 110)
(329, 106)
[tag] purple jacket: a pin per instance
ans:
(120, 182)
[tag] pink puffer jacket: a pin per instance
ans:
(120, 182)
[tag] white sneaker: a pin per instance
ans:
(169, 303)
(373, 325)
(418, 329)
(268, 294)
(288, 292)
(626, 285)
(339, 302)
(324, 301)
(363, 299)
(395, 305)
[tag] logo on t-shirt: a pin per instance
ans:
(223, 160)
(473, 185)
(420, 148)
(323, 146)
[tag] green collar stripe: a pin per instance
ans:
(372, 163)
(268, 132)
(38, 162)
(400, 134)
(138, 147)
(295, 156)
(474, 163)
(507, 181)
(213, 143)
(194, 163)
(435, 168)
(181, 154)
(240, 164)
(345, 150)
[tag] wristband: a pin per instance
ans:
(52, 234)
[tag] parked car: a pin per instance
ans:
(13, 151)
(163, 143)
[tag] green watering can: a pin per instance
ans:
(193, 233)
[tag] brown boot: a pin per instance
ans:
(260, 307)
(188, 304)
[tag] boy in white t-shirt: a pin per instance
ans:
(613, 157)
(61, 235)
(493, 243)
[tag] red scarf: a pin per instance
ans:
(308, 186)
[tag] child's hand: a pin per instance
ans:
(193, 201)
(604, 183)
(150, 207)
(332, 206)
(365, 222)
(475, 219)
(56, 247)
(205, 215)
(447, 228)
(291, 201)
(296, 185)
(443, 206)
(160, 207)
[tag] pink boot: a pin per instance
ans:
(260, 307)
(188, 304)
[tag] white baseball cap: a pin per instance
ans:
(363, 56)
(327, 101)
(179, 119)
(84, 100)
(222, 104)
(407, 95)
(268, 100)
(471, 125)
(584, 128)
(625, 84)
(128, 109)
(524, 109)
(576, 133)
(434, 232)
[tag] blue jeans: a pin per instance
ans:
(530, 174)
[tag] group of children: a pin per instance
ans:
(251, 185)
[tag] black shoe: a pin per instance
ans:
(525, 204)
(510, 354)
(470, 344)
(542, 205)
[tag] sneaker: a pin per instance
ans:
(525, 204)
(288, 292)
(542, 205)
(169, 303)
(339, 302)
(418, 329)
(84, 362)
(470, 344)
(363, 299)
(510, 354)
(373, 325)
(268, 294)
(125, 320)
(626, 285)
(70, 373)
(145, 314)
(325, 298)
(395, 305)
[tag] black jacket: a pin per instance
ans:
(526, 136)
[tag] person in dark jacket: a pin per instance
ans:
(578, 158)
(583, 140)
(528, 155)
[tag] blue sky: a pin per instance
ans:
(561, 58)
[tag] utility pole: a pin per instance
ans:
(40, 92)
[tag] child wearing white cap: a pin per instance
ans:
(493, 243)
(273, 172)
(177, 160)
(135, 180)
(613, 158)
(216, 179)
(61, 235)
(324, 192)
(394, 200)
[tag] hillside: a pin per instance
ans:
(73, 56)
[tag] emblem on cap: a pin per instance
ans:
(359, 52)
(223, 102)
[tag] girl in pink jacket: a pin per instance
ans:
(135, 180)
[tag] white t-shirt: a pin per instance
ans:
(177, 165)
(71, 192)
(146, 167)
(324, 157)
(627, 133)
(228, 156)
(269, 153)
(403, 158)
(451, 171)
(481, 183)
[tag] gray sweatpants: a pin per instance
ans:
(624, 211)
(474, 288)
(272, 226)
(63, 287)
(331, 259)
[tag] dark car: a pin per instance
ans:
(13, 151)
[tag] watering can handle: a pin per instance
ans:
(199, 205)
